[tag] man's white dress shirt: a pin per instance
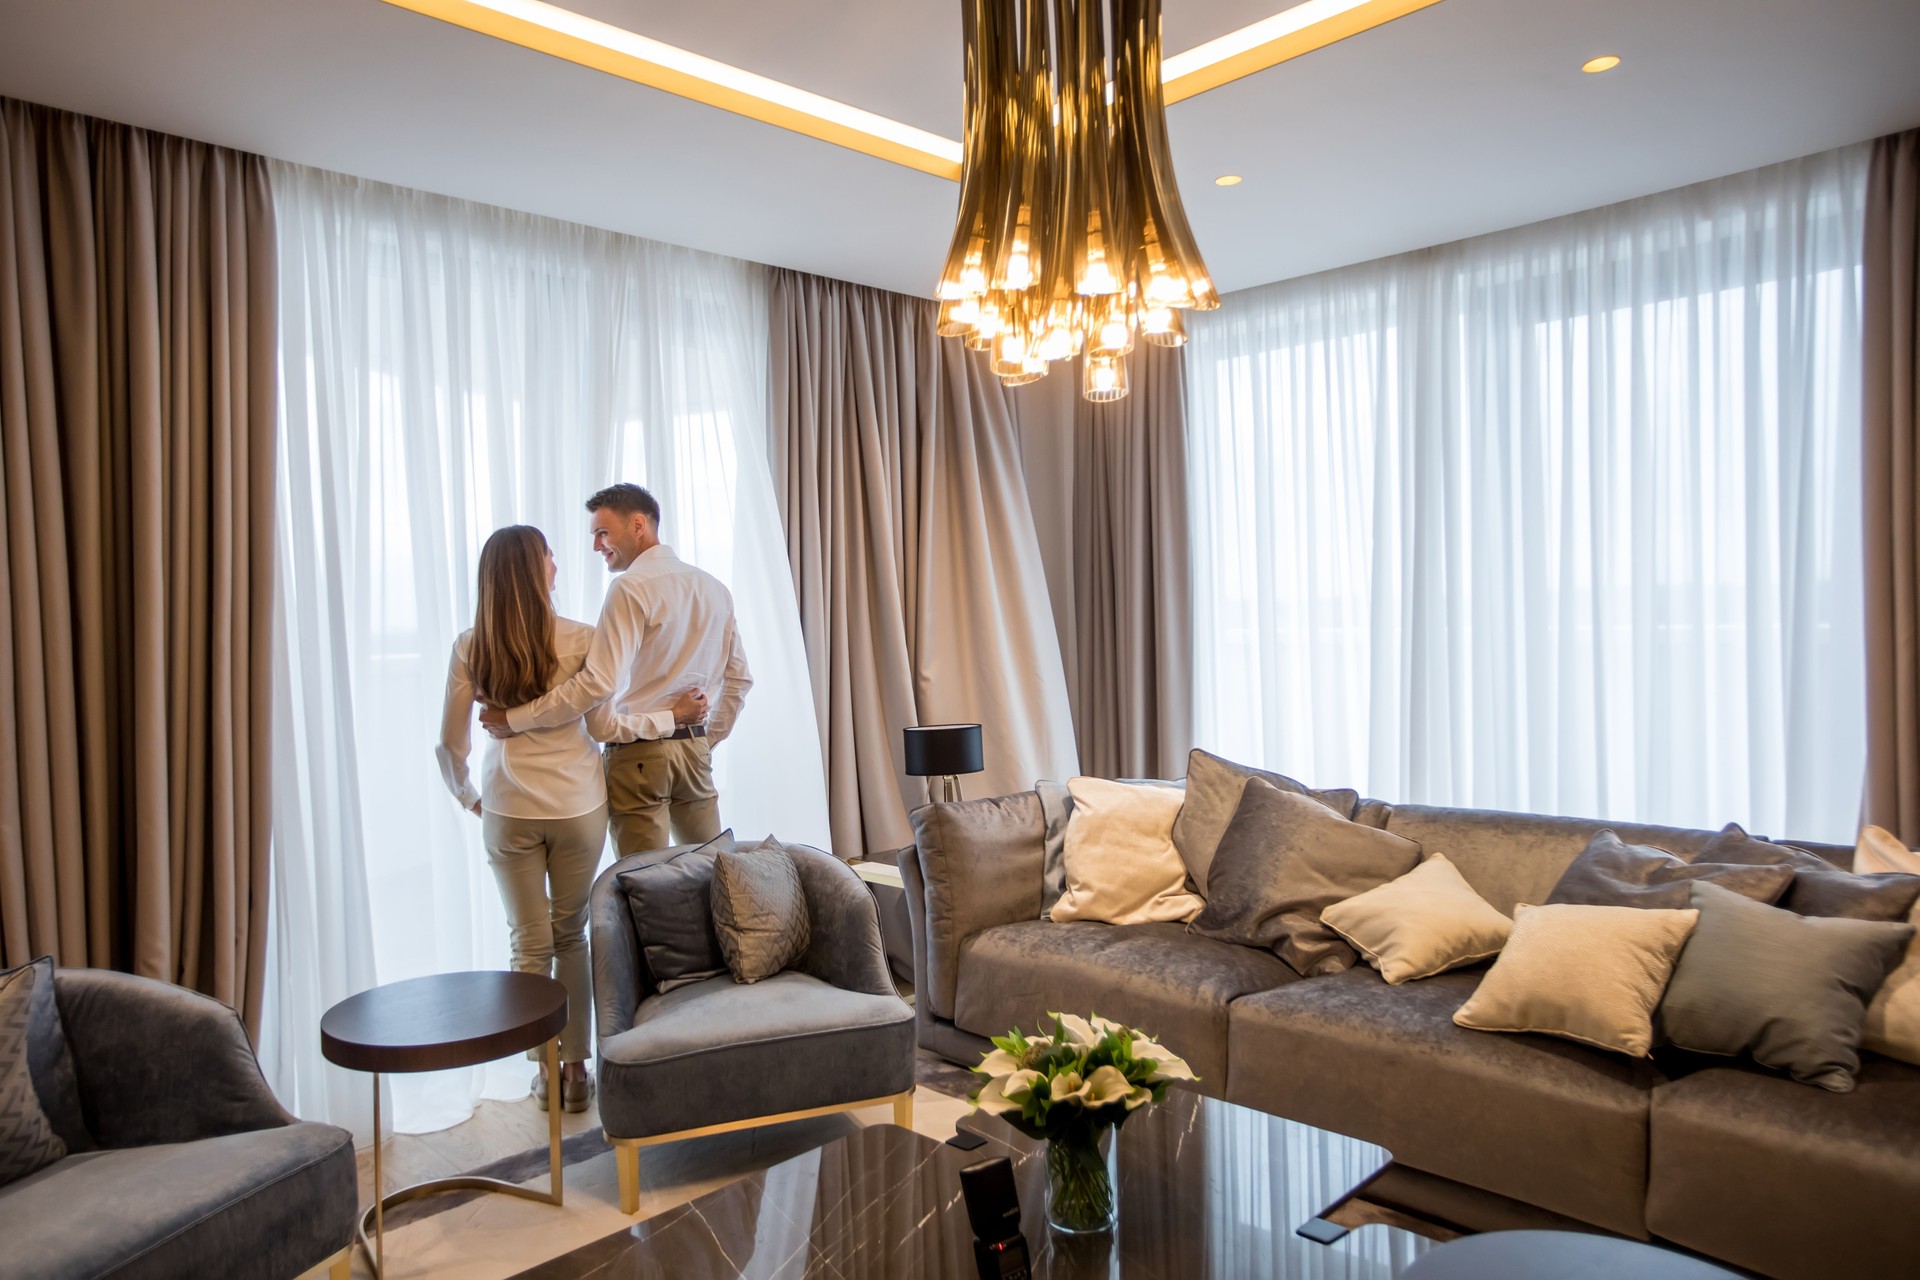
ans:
(666, 627)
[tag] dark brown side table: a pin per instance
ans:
(435, 1023)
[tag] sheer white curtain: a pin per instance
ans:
(1563, 519)
(448, 368)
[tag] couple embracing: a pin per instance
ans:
(549, 689)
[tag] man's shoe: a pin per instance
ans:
(576, 1094)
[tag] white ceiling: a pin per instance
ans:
(1460, 119)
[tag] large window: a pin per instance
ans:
(1563, 519)
(447, 369)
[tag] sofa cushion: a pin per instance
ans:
(1284, 859)
(1790, 1181)
(1818, 888)
(759, 910)
(718, 1051)
(1612, 873)
(984, 864)
(1792, 990)
(1426, 922)
(1120, 861)
(1154, 977)
(1213, 795)
(669, 899)
(27, 1141)
(1532, 1117)
(262, 1205)
(1510, 858)
(50, 1061)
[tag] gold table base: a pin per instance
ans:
(377, 1246)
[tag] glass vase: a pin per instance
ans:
(1080, 1199)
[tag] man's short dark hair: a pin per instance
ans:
(626, 500)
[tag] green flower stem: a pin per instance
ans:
(1079, 1185)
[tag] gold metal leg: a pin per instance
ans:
(377, 1246)
(903, 1109)
(626, 1156)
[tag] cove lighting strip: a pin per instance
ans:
(588, 42)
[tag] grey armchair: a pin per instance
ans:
(829, 1035)
(196, 1171)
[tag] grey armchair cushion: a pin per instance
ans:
(1817, 887)
(262, 1205)
(50, 1062)
(759, 911)
(1612, 873)
(158, 1063)
(1284, 859)
(669, 899)
(845, 946)
(27, 1141)
(1792, 990)
(1213, 797)
(719, 1051)
(983, 864)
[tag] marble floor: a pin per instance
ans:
(493, 1236)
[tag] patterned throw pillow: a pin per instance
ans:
(759, 911)
(27, 1141)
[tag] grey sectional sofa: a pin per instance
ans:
(1726, 1159)
(195, 1169)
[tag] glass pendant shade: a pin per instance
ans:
(1070, 236)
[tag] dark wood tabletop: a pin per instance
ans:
(443, 1020)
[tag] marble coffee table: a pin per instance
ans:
(1206, 1190)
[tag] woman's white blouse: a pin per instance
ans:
(543, 773)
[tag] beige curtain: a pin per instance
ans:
(1109, 488)
(922, 596)
(1890, 337)
(136, 434)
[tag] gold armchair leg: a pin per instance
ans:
(903, 1109)
(626, 1157)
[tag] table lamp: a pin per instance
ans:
(944, 751)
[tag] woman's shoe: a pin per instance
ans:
(540, 1090)
(576, 1094)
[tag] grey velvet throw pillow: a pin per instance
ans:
(1284, 859)
(1791, 990)
(669, 900)
(1213, 797)
(1613, 873)
(48, 1060)
(759, 911)
(1818, 888)
(27, 1139)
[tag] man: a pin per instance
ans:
(666, 642)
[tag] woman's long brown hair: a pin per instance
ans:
(512, 658)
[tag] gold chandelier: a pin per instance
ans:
(1070, 238)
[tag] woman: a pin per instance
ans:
(542, 799)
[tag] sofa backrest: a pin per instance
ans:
(1514, 858)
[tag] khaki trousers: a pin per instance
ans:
(545, 867)
(654, 785)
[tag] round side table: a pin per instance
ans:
(435, 1023)
(1557, 1255)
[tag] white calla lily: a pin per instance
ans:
(998, 1063)
(1079, 1032)
(1106, 1085)
(1166, 1065)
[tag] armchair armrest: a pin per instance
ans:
(983, 864)
(846, 949)
(158, 1063)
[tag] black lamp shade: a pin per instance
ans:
(937, 750)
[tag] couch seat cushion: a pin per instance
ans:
(1154, 977)
(1787, 1179)
(1541, 1120)
(266, 1204)
(718, 1051)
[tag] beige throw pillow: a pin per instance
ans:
(1591, 974)
(1893, 1019)
(1120, 861)
(1426, 922)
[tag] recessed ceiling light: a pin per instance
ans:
(1228, 180)
(1605, 62)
